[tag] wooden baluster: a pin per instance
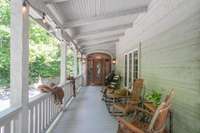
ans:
(48, 111)
(42, 115)
(45, 113)
(36, 119)
(7, 127)
(31, 121)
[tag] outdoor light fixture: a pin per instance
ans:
(44, 19)
(24, 6)
(114, 61)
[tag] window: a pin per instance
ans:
(135, 62)
(130, 67)
(125, 71)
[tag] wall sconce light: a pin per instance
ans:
(24, 6)
(114, 61)
(83, 60)
(44, 19)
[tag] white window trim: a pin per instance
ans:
(132, 74)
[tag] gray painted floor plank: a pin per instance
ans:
(87, 114)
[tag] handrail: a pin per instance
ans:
(36, 99)
(42, 110)
(9, 114)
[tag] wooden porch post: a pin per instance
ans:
(19, 62)
(75, 62)
(63, 72)
(139, 59)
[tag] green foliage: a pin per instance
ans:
(4, 42)
(154, 96)
(5, 12)
(44, 52)
(70, 62)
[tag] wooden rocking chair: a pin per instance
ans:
(157, 124)
(134, 100)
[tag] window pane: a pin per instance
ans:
(135, 62)
(130, 69)
(125, 71)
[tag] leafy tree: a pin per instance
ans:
(4, 42)
(44, 52)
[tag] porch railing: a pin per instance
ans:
(42, 111)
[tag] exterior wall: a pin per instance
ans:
(170, 55)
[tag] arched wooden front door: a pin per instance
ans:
(98, 66)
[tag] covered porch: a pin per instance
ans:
(154, 40)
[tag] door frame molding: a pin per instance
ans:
(103, 63)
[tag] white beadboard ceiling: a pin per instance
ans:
(94, 24)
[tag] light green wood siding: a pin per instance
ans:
(170, 37)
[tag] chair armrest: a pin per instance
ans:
(143, 110)
(129, 125)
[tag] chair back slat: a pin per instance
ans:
(137, 89)
(168, 98)
(159, 119)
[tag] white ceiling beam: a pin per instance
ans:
(54, 1)
(109, 50)
(86, 21)
(103, 30)
(105, 45)
(58, 1)
(101, 34)
(101, 38)
(99, 41)
(102, 47)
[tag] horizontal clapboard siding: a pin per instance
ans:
(170, 55)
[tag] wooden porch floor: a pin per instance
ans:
(87, 114)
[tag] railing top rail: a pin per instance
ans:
(67, 82)
(78, 76)
(9, 114)
(36, 99)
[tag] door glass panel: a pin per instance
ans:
(90, 70)
(98, 70)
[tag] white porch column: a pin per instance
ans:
(80, 65)
(19, 62)
(140, 60)
(75, 62)
(63, 63)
